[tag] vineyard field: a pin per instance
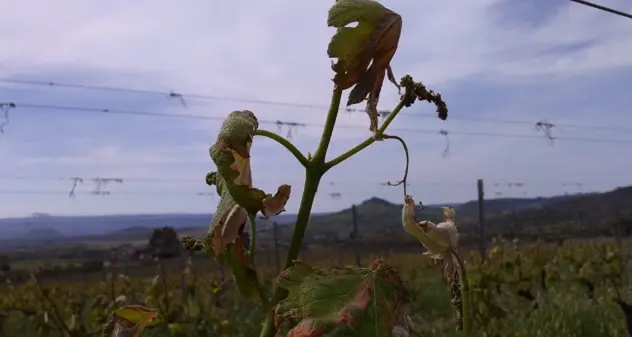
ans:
(575, 289)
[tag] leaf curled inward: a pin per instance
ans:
(274, 205)
(347, 301)
(363, 52)
(239, 200)
(231, 154)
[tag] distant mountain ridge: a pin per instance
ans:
(376, 217)
(109, 225)
(578, 215)
(100, 225)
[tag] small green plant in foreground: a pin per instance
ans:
(348, 301)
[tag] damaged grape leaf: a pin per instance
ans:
(231, 154)
(347, 301)
(129, 321)
(224, 241)
(364, 52)
(240, 201)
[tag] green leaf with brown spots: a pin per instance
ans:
(130, 321)
(347, 301)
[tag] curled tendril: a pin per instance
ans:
(403, 181)
(417, 91)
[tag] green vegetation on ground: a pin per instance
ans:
(521, 290)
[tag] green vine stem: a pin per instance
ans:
(369, 140)
(286, 143)
(253, 237)
(251, 250)
(315, 168)
(465, 294)
(314, 171)
(321, 152)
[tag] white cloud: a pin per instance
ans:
(275, 51)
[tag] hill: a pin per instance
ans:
(105, 225)
(588, 215)
(377, 220)
(585, 215)
(43, 234)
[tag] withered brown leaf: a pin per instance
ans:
(364, 52)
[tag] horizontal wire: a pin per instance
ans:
(291, 104)
(279, 122)
(106, 193)
(512, 184)
(125, 179)
(603, 8)
(202, 180)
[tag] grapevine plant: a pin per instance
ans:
(346, 301)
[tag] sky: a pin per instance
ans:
(526, 60)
